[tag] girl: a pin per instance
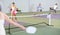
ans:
(13, 11)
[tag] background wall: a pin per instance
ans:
(21, 4)
(45, 4)
(28, 5)
(59, 4)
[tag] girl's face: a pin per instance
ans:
(13, 4)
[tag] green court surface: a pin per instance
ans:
(42, 29)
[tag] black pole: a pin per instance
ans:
(9, 30)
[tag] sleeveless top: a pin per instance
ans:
(14, 10)
(2, 30)
(13, 7)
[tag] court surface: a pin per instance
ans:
(42, 29)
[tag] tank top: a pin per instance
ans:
(2, 30)
(13, 8)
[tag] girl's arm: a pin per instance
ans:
(14, 23)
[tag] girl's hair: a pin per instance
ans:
(13, 2)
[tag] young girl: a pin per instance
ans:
(4, 17)
(13, 11)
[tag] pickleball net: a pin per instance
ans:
(37, 20)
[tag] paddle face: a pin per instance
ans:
(31, 29)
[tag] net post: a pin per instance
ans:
(49, 19)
